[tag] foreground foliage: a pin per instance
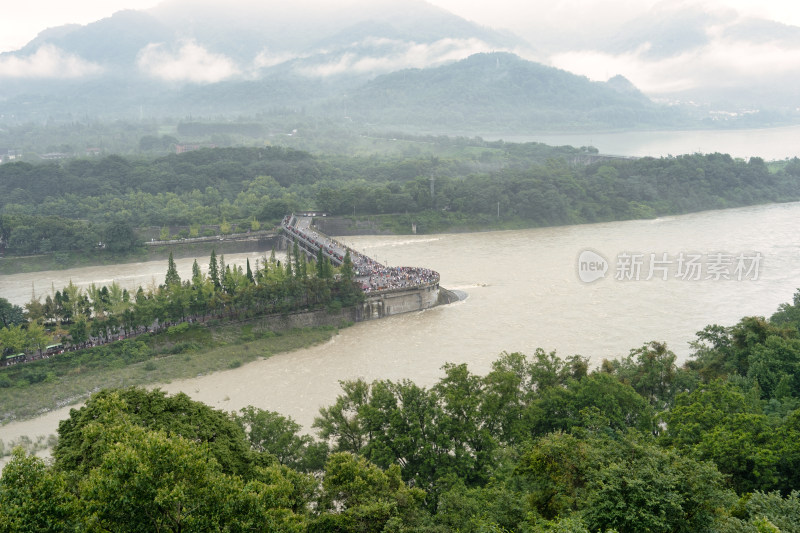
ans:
(538, 444)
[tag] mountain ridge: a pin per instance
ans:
(358, 56)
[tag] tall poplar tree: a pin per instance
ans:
(197, 276)
(213, 270)
(172, 278)
(249, 272)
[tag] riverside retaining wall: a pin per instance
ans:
(377, 305)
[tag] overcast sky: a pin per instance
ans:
(531, 19)
(24, 20)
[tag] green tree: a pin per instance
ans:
(366, 498)
(720, 423)
(347, 269)
(12, 340)
(36, 338)
(153, 410)
(197, 276)
(78, 332)
(596, 401)
(341, 423)
(18, 339)
(788, 314)
(471, 445)
(650, 370)
(172, 278)
(11, 315)
(556, 467)
(272, 433)
(249, 272)
(36, 498)
(213, 270)
(119, 236)
(762, 512)
(636, 486)
(170, 483)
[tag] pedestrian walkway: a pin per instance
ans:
(372, 276)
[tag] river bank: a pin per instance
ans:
(240, 243)
(434, 222)
(233, 244)
(43, 406)
(42, 385)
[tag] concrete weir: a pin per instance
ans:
(389, 290)
(394, 302)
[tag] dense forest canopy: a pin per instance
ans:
(541, 443)
(76, 204)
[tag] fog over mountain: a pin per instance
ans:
(688, 51)
(207, 57)
(206, 42)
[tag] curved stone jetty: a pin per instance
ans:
(389, 290)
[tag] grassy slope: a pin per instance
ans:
(217, 348)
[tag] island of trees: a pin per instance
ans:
(74, 318)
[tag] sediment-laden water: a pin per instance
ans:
(524, 291)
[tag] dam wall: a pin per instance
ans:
(376, 306)
(395, 301)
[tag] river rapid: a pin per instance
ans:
(525, 290)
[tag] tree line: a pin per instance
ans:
(541, 443)
(97, 315)
(76, 205)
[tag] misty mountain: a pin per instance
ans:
(246, 28)
(112, 42)
(689, 52)
(662, 33)
(667, 31)
(236, 40)
(208, 57)
(396, 64)
(501, 92)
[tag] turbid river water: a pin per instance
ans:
(524, 291)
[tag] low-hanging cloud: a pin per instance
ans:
(191, 63)
(395, 55)
(267, 58)
(48, 61)
(722, 62)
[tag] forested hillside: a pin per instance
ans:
(73, 205)
(501, 92)
(541, 443)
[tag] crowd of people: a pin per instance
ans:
(372, 275)
(387, 278)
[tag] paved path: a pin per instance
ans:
(372, 276)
